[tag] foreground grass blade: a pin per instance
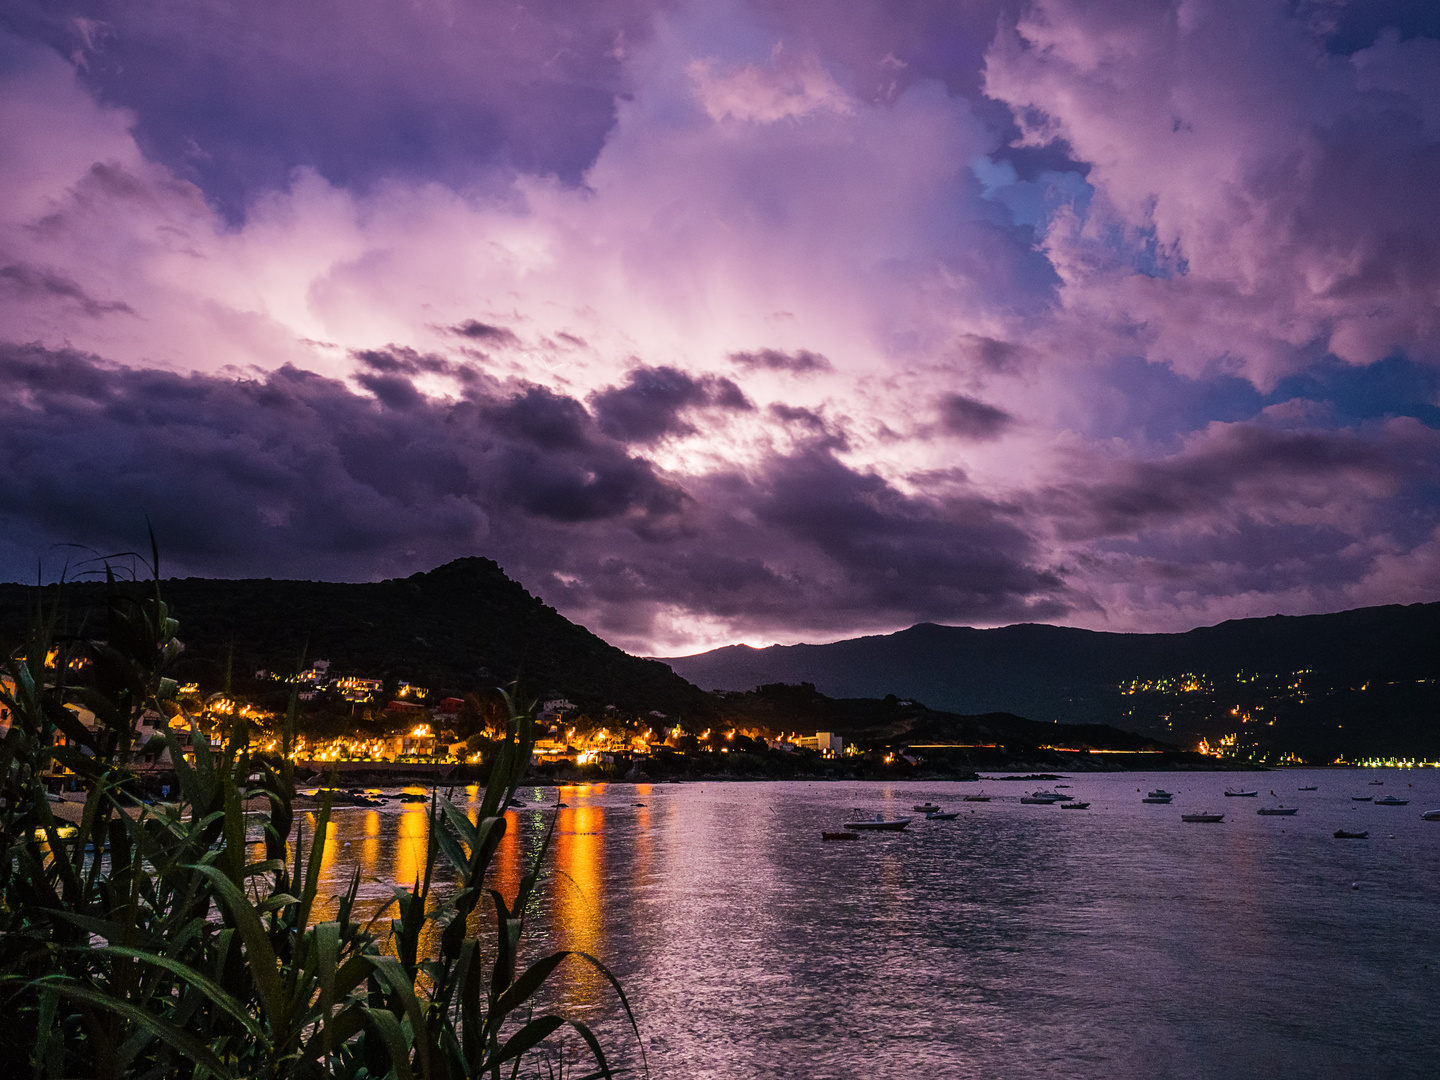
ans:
(163, 1030)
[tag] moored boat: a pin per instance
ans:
(1074, 806)
(1233, 793)
(978, 797)
(878, 823)
(1430, 815)
(1278, 811)
(1159, 795)
(1341, 834)
(1208, 818)
(839, 836)
(1032, 800)
(1361, 798)
(1311, 787)
(942, 815)
(926, 808)
(1391, 800)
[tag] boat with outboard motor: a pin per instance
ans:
(1206, 818)
(879, 823)
(1390, 800)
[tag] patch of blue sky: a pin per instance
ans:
(1138, 397)
(1031, 202)
(1034, 204)
(1395, 386)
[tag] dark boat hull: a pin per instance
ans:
(878, 826)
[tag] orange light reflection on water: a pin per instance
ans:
(411, 843)
(508, 866)
(579, 894)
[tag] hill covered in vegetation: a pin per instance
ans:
(1356, 683)
(462, 627)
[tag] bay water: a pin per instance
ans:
(1015, 941)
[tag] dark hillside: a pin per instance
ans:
(462, 626)
(1362, 682)
(892, 720)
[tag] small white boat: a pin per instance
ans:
(1074, 806)
(1278, 811)
(979, 796)
(878, 823)
(1208, 818)
(1053, 796)
(942, 815)
(926, 808)
(1159, 795)
(1430, 815)
(1391, 800)
(1232, 793)
(1034, 800)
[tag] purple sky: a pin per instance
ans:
(723, 321)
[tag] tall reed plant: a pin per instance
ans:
(154, 941)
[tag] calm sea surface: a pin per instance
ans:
(1016, 941)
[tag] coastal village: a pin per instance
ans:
(357, 725)
(403, 727)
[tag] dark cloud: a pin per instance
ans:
(399, 358)
(225, 93)
(651, 403)
(559, 465)
(959, 554)
(1235, 471)
(806, 542)
(801, 361)
(993, 355)
(972, 419)
(484, 332)
(295, 472)
(27, 282)
(821, 432)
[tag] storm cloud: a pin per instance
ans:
(650, 404)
